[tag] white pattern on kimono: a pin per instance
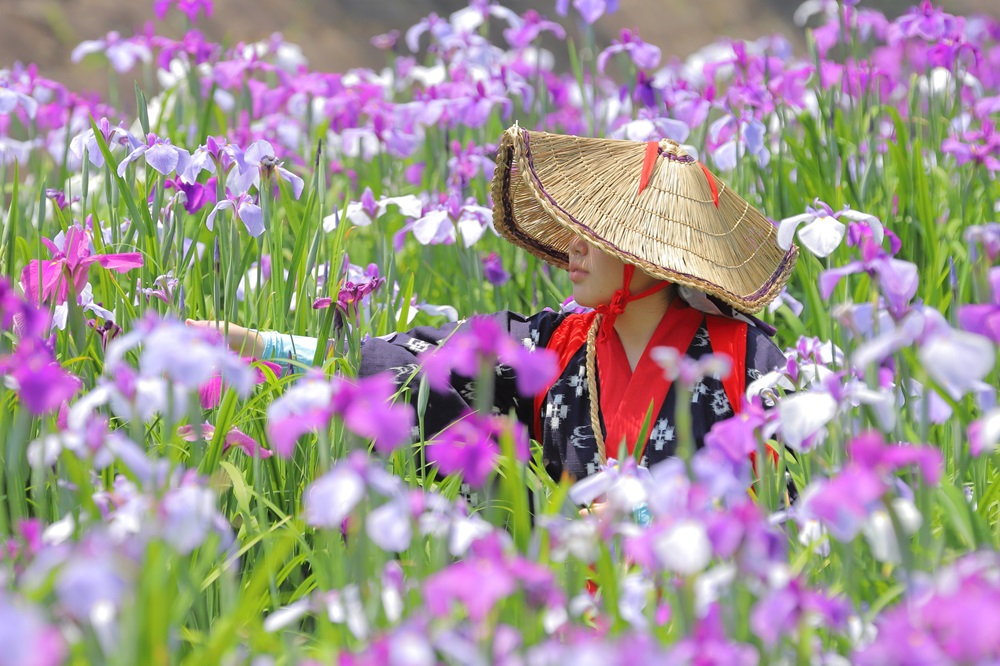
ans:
(720, 403)
(662, 434)
(578, 382)
(556, 410)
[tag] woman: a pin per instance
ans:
(664, 252)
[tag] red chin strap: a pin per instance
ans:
(620, 299)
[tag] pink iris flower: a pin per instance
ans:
(69, 265)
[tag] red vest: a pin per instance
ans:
(626, 396)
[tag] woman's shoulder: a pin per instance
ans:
(763, 355)
(537, 330)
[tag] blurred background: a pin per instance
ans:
(335, 34)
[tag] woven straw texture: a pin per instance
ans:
(548, 188)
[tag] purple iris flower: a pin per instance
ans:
(898, 280)
(984, 433)
(785, 608)
(71, 260)
(981, 147)
(123, 54)
(947, 620)
(642, 55)
(303, 408)
(368, 411)
(246, 211)
(160, 154)
(86, 142)
(590, 10)
(262, 165)
(27, 320)
(194, 196)
(41, 383)
(26, 637)
(927, 22)
(494, 271)
(528, 30)
(189, 515)
(11, 99)
(985, 237)
(984, 319)
(824, 231)
(218, 156)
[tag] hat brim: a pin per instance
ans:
(549, 189)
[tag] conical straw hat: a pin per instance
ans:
(549, 188)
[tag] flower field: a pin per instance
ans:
(169, 501)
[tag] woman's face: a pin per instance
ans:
(596, 275)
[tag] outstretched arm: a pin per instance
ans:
(241, 340)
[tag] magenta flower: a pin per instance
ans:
(845, 502)
(368, 411)
(303, 408)
(485, 577)
(474, 584)
(482, 342)
(736, 438)
(190, 8)
(470, 447)
(870, 451)
(210, 393)
(70, 261)
(365, 406)
(981, 147)
(948, 621)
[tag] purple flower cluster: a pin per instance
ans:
(483, 344)
(365, 406)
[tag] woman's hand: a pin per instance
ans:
(241, 340)
(595, 509)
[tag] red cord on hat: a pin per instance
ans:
(652, 152)
(711, 183)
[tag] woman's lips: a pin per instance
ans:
(576, 273)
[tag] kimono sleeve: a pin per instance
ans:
(398, 354)
(763, 355)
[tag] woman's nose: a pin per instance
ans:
(577, 246)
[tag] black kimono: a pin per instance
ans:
(567, 438)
